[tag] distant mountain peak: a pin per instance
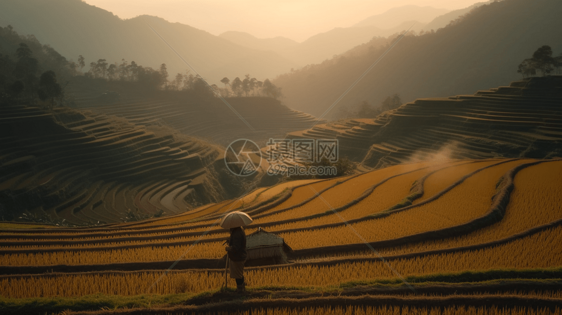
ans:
(443, 20)
(398, 15)
(250, 41)
(239, 34)
(152, 18)
(147, 17)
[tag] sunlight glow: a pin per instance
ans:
(294, 19)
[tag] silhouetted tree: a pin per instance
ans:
(224, 92)
(178, 81)
(558, 64)
(527, 68)
(81, 62)
(20, 69)
(123, 70)
(249, 87)
(23, 51)
(112, 71)
(149, 78)
(73, 67)
(259, 85)
(215, 89)
(542, 61)
(391, 102)
(236, 86)
(26, 68)
(252, 85)
(189, 81)
(49, 89)
(132, 71)
(98, 69)
(164, 74)
(102, 67)
(201, 89)
(246, 84)
(225, 81)
(270, 90)
(93, 70)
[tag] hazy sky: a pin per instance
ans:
(295, 19)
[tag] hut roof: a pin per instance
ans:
(263, 246)
(262, 238)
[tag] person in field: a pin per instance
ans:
(236, 249)
(237, 255)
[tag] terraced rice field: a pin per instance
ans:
(208, 120)
(340, 195)
(522, 119)
(447, 211)
(80, 168)
(266, 194)
(538, 251)
(439, 180)
(303, 194)
(524, 212)
(433, 237)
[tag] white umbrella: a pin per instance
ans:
(235, 219)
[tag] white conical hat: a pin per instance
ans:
(235, 219)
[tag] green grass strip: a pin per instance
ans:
(54, 305)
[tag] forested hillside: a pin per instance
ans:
(481, 50)
(98, 34)
(520, 120)
(65, 166)
(325, 45)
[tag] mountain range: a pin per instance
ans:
(482, 49)
(395, 16)
(325, 45)
(75, 28)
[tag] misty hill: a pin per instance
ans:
(147, 98)
(336, 41)
(75, 28)
(396, 16)
(315, 49)
(443, 20)
(47, 57)
(207, 118)
(322, 46)
(482, 50)
(71, 167)
(325, 45)
(65, 166)
(520, 120)
(250, 41)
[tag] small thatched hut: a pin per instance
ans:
(266, 248)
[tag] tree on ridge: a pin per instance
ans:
(49, 89)
(542, 61)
